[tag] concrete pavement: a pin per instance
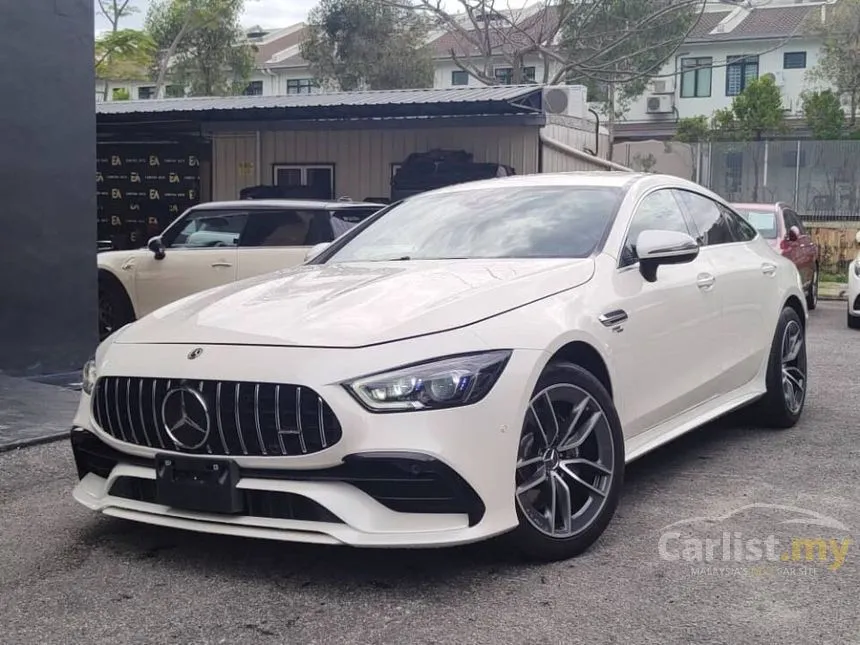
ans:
(33, 412)
(70, 576)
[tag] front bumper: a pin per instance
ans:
(412, 479)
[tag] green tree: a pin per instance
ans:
(692, 131)
(125, 54)
(115, 10)
(755, 115)
(839, 57)
(617, 46)
(200, 44)
(824, 114)
(357, 44)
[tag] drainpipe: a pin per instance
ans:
(579, 154)
(258, 170)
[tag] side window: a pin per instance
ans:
(658, 211)
(205, 229)
(742, 230)
(791, 219)
(291, 227)
(710, 220)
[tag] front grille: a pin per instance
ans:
(215, 417)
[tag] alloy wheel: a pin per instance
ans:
(793, 367)
(565, 461)
(106, 317)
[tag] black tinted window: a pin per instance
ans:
(498, 222)
(659, 211)
(710, 220)
(742, 231)
(206, 228)
(289, 227)
(791, 219)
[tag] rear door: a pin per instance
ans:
(744, 279)
(278, 239)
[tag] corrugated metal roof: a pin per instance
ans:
(497, 94)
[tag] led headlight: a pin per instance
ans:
(857, 268)
(442, 383)
(89, 376)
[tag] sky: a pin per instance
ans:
(266, 13)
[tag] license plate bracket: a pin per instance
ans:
(195, 484)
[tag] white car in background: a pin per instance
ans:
(854, 289)
(478, 360)
(214, 244)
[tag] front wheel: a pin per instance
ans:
(787, 379)
(812, 294)
(570, 465)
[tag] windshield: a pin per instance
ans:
(763, 220)
(497, 222)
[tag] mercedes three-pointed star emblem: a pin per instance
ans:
(185, 416)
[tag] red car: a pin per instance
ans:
(781, 226)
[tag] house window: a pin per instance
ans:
(505, 75)
(696, 77)
(144, 93)
(255, 88)
(318, 177)
(794, 60)
(459, 77)
(300, 85)
(740, 70)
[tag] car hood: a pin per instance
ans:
(357, 304)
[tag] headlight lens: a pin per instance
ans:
(442, 383)
(89, 376)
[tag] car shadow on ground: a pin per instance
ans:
(299, 566)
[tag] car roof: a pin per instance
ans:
(262, 204)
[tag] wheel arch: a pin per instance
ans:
(109, 279)
(794, 302)
(588, 357)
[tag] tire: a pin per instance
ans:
(773, 409)
(853, 321)
(812, 294)
(603, 446)
(114, 308)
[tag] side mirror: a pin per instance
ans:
(157, 247)
(663, 247)
(316, 249)
(793, 234)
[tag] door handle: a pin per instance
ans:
(222, 264)
(768, 269)
(705, 281)
(612, 318)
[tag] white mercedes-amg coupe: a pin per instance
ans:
(476, 361)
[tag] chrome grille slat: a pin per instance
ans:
(140, 411)
(299, 420)
(118, 413)
(237, 415)
(130, 410)
(257, 418)
(218, 419)
(321, 421)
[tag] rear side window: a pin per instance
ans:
(791, 219)
(288, 227)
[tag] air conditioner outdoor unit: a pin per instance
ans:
(659, 104)
(663, 86)
(566, 100)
